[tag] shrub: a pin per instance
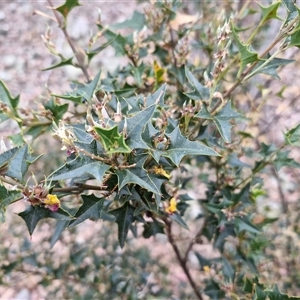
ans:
(137, 139)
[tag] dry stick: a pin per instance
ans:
(73, 47)
(181, 260)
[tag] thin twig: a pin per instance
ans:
(80, 60)
(181, 260)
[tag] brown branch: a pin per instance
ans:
(182, 261)
(79, 58)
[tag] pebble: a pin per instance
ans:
(8, 60)
(2, 15)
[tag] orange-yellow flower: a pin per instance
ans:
(172, 207)
(160, 171)
(52, 202)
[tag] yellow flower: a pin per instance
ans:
(52, 202)
(172, 207)
(206, 269)
(160, 171)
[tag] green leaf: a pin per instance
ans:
(137, 22)
(200, 92)
(57, 110)
(12, 103)
(19, 163)
(157, 97)
(124, 218)
(92, 208)
(67, 7)
(292, 10)
(152, 228)
(6, 198)
(87, 92)
(247, 56)
(79, 166)
(117, 41)
(33, 214)
(222, 121)
(135, 127)
(269, 12)
(271, 67)
(283, 160)
(228, 271)
(137, 175)
(204, 113)
(177, 218)
(92, 53)
(213, 290)
(292, 136)
(276, 294)
(112, 140)
(181, 146)
(64, 62)
(259, 294)
(244, 224)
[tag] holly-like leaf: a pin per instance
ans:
(271, 67)
(200, 92)
(117, 41)
(247, 56)
(137, 175)
(222, 121)
(178, 219)
(292, 10)
(152, 228)
(57, 110)
(157, 98)
(6, 198)
(87, 92)
(181, 146)
(292, 136)
(112, 140)
(276, 294)
(137, 22)
(92, 208)
(124, 218)
(135, 127)
(203, 113)
(64, 62)
(19, 163)
(79, 166)
(283, 160)
(67, 7)
(33, 214)
(269, 12)
(244, 224)
(12, 103)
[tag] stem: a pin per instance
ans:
(182, 260)
(81, 64)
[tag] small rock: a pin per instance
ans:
(8, 60)
(2, 15)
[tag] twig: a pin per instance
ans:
(182, 261)
(281, 194)
(81, 64)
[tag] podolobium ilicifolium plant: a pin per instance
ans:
(135, 140)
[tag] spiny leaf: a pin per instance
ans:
(152, 228)
(117, 41)
(203, 113)
(245, 224)
(200, 92)
(137, 22)
(181, 146)
(57, 110)
(269, 12)
(12, 103)
(177, 218)
(292, 136)
(283, 160)
(112, 140)
(271, 67)
(92, 208)
(89, 89)
(19, 163)
(6, 198)
(64, 62)
(67, 7)
(157, 98)
(135, 127)
(33, 214)
(79, 166)
(137, 175)
(246, 54)
(124, 218)
(222, 121)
